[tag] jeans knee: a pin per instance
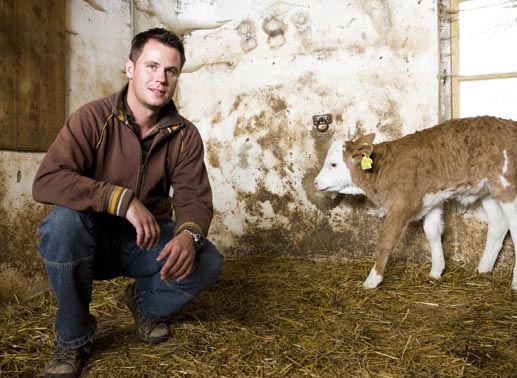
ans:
(62, 219)
(211, 263)
(65, 236)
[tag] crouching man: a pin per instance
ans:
(109, 172)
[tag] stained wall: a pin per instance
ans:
(255, 83)
(256, 73)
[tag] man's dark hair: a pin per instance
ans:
(161, 35)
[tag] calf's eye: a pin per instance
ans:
(333, 165)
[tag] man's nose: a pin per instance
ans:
(160, 76)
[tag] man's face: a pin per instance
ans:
(154, 75)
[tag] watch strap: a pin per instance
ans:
(198, 238)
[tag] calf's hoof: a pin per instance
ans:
(483, 270)
(368, 285)
(373, 280)
(435, 275)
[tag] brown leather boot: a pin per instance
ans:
(147, 330)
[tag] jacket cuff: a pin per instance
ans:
(117, 200)
(191, 226)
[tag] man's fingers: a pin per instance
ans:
(147, 229)
(181, 268)
(178, 269)
(164, 252)
(180, 255)
(150, 235)
(156, 234)
(139, 236)
(145, 237)
(153, 234)
(167, 269)
(185, 271)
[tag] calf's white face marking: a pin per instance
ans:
(335, 176)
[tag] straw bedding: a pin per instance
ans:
(279, 316)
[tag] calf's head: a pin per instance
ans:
(335, 174)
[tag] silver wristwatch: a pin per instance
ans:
(199, 240)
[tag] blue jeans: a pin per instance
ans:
(79, 247)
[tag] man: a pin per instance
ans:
(109, 172)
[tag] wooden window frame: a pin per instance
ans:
(456, 78)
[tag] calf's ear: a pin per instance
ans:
(368, 139)
(362, 146)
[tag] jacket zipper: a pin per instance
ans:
(141, 171)
(141, 166)
(141, 174)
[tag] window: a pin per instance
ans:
(484, 58)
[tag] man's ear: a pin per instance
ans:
(362, 146)
(130, 67)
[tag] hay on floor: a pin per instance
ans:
(274, 316)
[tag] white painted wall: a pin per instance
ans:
(99, 38)
(256, 73)
(369, 63)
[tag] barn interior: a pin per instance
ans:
(270, 85)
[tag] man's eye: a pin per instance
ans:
(171, 72)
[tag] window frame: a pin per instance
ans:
(456, 78)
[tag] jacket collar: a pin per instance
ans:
(168, 119)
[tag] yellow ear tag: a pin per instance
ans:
(366, 163)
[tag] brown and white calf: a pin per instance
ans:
(466, 159)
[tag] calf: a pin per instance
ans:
(466, 159)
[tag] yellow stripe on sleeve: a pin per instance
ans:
(114, 199)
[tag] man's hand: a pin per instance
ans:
(147, 229)
(181, 254)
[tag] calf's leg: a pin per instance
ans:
(433, 228)
(510, 212)
(497, 229)
(394, 227)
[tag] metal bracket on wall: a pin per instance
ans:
(322, 121)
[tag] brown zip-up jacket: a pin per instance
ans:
(97, 164)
